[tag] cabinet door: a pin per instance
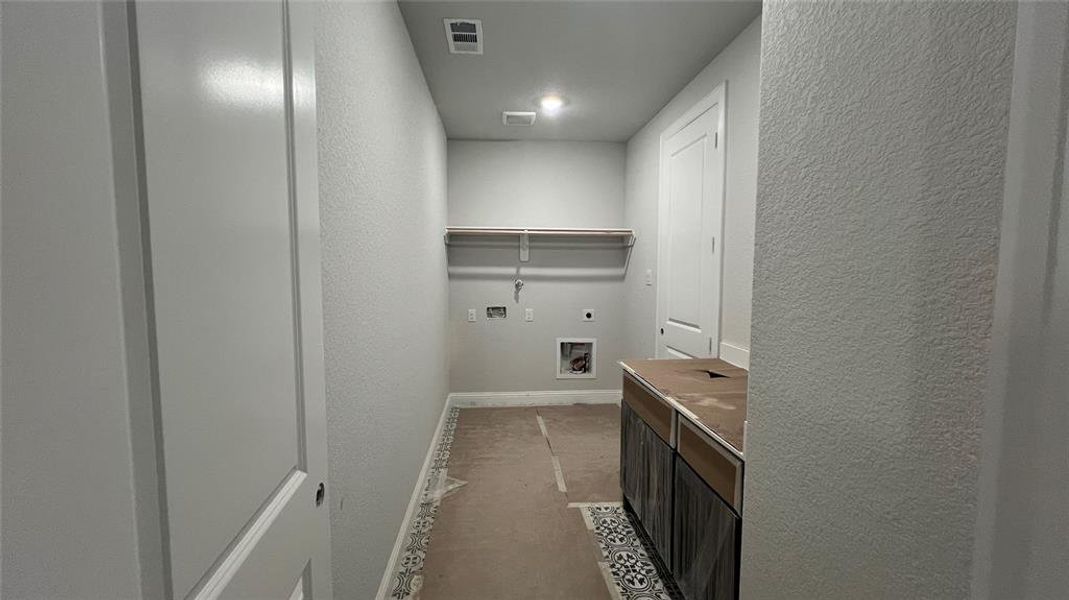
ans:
(705, 539)
(646, 478)
(659, 469)
(630, 455)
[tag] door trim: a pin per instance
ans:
(717, 97)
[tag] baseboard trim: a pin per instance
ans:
(474, 399)
(413, 503)
(736, 355)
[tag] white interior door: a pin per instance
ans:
(691, 216)
(228, 115)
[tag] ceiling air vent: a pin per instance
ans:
(465, 36)
(513, 118)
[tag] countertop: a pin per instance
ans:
(716, 404)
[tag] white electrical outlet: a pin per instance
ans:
(471, 315)
(528, 314)
(588, 314)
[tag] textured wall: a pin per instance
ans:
(534, 184)
(383, 203)
(739, 65)
(69, 526)
(882, 149)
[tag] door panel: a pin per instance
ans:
(239, 379)
(690, 232)
(670, 352)
(684, 274)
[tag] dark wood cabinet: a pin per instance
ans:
(631, 465)
(646, 474)
(705, 539)
(682, 478)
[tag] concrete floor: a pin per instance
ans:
(508, 531)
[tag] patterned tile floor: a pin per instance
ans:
(409, 576)
(634, 571)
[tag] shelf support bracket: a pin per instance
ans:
(525, 246)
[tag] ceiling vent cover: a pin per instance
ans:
(514, 118)
(465, 36)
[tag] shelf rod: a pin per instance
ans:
(524, 234)
(537, 231)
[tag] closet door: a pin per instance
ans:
(228, 115)
(690, 226)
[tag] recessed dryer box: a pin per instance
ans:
(576, 358)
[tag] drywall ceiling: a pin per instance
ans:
(615, 62)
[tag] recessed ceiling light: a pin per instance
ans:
(551, 104)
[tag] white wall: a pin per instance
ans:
(69, 526)
(739, 65)
(882, 147)
(383, 205)
(534, 184)
(1022, 534)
